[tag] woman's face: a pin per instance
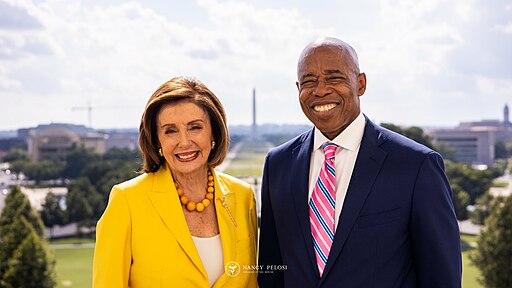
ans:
(185, 135)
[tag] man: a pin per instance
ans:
(349, 203)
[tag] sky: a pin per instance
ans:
(427, 62)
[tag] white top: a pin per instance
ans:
(349, 142)
(210, 251)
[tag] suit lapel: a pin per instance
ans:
(301, 157)
(163, 197)
(368, 164)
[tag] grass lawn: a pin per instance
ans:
(249, 160)
(469, 272)
(74, 264)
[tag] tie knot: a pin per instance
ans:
(329, 150)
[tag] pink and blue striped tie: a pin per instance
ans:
(321, 207)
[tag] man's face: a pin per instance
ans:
(329, 88)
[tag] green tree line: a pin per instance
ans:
(87, 175)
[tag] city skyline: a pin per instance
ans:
(428, 63)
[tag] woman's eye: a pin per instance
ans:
(196, 127)
(170, 131)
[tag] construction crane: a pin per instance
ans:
(89, 109)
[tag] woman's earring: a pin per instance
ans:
(160, 152)
(213, 144)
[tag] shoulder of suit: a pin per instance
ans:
(231, 181)
(135, 182)
(400, 141)
(292, 143)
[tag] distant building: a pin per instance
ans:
(56, 141)
(474, 142)
(471, 147)
(36, 196)
(122, 138)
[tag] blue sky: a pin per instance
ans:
(428, 63)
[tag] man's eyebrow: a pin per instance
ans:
(307, 75)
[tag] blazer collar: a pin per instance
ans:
(225, 206)
(166, 203)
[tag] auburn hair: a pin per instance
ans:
(176, 90)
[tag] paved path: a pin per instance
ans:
(72, 246)
(231, 155)
(503, 191)
(468, 227)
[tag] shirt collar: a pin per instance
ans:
(349, 139)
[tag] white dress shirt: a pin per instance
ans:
(349, 142)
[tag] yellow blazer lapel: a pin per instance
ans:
(225, 208)
(163, 197)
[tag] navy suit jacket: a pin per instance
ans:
(397, 227)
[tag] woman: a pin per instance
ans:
(181, 223)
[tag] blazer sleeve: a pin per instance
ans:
(434, 229)
(112, 253)
(269, 251)
(253, 280)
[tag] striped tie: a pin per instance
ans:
(321, 207)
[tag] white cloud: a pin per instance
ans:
(426, 54)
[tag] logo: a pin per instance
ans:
(232, 268)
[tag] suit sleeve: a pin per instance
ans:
(112, 253)
(434, 229)
(269, 251)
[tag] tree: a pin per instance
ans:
(460, 202)
(483, 208)
(446, 150)
(52, 214)
(13, 143)
(76, 160)
(122, 172)
(494, 253)
(472, 181)
(500, 150)
(19, 222)
(16, 154)
(414, 133)
(44, 170)
(17, 205)
(84, 203)
(11, 235)
(31, 266)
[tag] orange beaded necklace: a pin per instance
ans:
(200, 206)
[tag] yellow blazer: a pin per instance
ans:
(143, 239)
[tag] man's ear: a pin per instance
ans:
(361, 84)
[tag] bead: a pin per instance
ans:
(191, 206)
(199, 207)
